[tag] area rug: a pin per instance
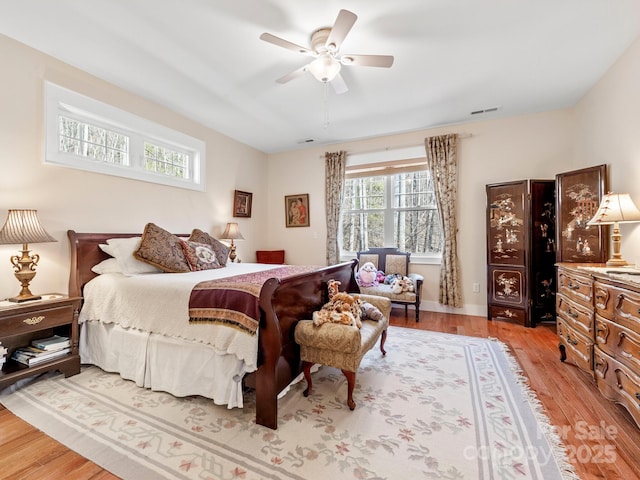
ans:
(436, 406)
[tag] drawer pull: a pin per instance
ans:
(572, 314)
(638, 396)
(571, 340)
(34, 320)
(573, 286)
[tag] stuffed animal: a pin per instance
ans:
(380, 276)
(343, 308)
(402, 284)
(333, 287)
(367, 275)
(398, 285)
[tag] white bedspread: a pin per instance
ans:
(159, 303)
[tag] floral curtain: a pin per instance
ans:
(335, 163)
(443, 165)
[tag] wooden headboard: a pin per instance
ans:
(85, 253)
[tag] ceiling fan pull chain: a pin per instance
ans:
(325, 124)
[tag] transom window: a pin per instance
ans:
(391, 209)
(86, 134)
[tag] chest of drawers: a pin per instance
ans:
(598, 315)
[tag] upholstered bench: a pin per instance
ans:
(341, 346)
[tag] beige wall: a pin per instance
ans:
(608, 131)
(533, 146)
(82, 201)
(602, 128)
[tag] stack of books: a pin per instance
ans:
(42, 350)
(3, 355)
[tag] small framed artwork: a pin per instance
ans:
(578, 195)
(242, 203)
(296, 212)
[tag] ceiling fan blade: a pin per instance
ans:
(384, 61)
(295, 74)
(339, 85)
(281, 42)
(340, 29)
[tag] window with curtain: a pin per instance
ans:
(391, 204)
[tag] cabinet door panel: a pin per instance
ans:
(506, 223)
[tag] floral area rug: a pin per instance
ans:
(436, 406)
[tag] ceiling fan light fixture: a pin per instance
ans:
(325, 68)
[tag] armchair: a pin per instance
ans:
(392, 261)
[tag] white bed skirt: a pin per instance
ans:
(158, 362)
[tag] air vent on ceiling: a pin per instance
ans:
(485, 110)
(306, 140)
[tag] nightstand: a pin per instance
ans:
(20, 323)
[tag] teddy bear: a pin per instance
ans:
(367, 275)
(343, 308)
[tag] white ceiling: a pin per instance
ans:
(204, 59)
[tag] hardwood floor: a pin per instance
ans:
(601, 438)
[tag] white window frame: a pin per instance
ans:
(61, 101)
(411, 153)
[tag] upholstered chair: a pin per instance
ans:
(392, 261)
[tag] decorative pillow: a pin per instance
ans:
(200, 255)
(221, 250)
(122, 250)
(110, 265)
(162, 249)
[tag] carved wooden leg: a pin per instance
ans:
(351, 383)
(306, 368)
(383, 339)
(563, 352)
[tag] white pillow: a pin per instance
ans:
(122, 250)
(110, 265)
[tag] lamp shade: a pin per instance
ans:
(232, 232)
(23, 226)
(615, 207)
(324, 68)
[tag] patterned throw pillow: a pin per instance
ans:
(221, 250)
(163, 249)
(200, 255)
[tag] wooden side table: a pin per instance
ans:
(20, 323)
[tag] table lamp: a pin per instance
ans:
(23, 226)
(232, 232)
(616, 208)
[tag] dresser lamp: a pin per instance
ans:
(614, 209)
(23, 226)
(232, 232)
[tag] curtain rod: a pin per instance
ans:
(461, 136)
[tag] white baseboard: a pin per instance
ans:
(467, 309)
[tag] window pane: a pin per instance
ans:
(165, 161)
(411, 190)
(362, 230)
(364, 193)
(418, 231)
(93, 142)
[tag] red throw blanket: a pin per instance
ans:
(235, 301)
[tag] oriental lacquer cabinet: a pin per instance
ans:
(521, 251)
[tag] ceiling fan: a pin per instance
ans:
(325, 44)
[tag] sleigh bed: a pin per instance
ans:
(180, 365)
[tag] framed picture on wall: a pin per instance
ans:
(578, 196)
(242, 203)
(296, 210)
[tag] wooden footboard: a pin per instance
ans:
(282, 302)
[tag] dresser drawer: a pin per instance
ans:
(33, 321)
(575, 315)
(618, 383)
(575, 286)
(618, 304)
(578, 348)
(619, 342)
